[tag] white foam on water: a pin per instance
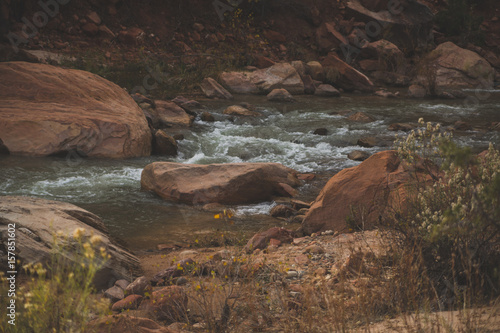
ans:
(257, 209)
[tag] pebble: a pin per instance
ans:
(292, 274)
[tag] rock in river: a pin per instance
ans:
(232, 183)
(36, 222)
(47, 110)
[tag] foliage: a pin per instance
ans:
(452, 222)
(458, 19)
(58, 297)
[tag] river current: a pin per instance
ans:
(284, 134)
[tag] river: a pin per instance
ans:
(111, 188)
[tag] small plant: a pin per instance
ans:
(452, 221)
(58, 296)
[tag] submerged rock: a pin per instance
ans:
(164, 144)
(48, 110)
(172, 115)
(236, 110)
(326, 90)
(232, 183)
(42, 218)
(280, 95)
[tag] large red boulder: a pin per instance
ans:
(342, 75)
(232, 183)
(47, 110)
(361, 196)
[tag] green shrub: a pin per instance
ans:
(452, 222)
(58, 296)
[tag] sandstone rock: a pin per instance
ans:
(238, 83)
(314, 249)
(130, 302)
(386, 94)
(198, 27)
(207, 116)
(326, 90)
(106, 32)
(328, 37)
(369, 65)
(281, 75)
(122, 283)
(411, 28)
(3, 149)
(274, 36)
(164, 144)
(126, 324)
(286, 190)
(281, 211)
(358, 155)
(461, 68)
(389, 56)
(92, 16)
(315, 70)
(261, 239)
(236, 110)
(232, 183)
(299, 66)
(169, 304)
(280, 95)
(90, 29)
(132, 36)
(306, 176)
(361, 117)
(274, 242)
(262, 62)
(369, 192)
(42, 218)
(297, 204)
(309, 86)
(405, 127)
(342, 75)
(212, 89)
(417, 91)
(138, 286)
(367, 141)
(172, 115)
(47, 110)
(114, 293)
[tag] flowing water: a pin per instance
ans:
(111, 188)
